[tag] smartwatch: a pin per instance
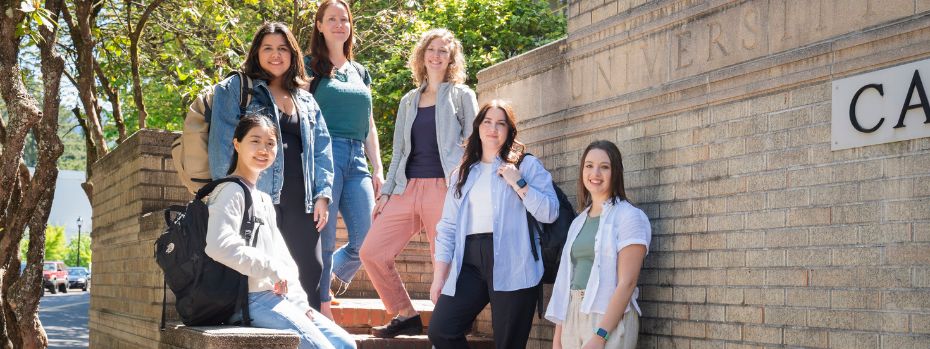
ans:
(600, 332)
(521, 183)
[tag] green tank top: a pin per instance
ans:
(345, 102)
(583, 253)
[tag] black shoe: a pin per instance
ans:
(410, 327)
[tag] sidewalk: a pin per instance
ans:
(64, 317)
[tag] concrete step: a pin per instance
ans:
(178, 336)
(414, 342)
(358, 315)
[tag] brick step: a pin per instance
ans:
(414, 342)
(358, 315)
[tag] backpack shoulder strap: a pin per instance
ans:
(523, 157)
(531, 222)
(248, 218)
(314, 79)
(245, 89)
(360, 69)
(314, 83)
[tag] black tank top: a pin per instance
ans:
(292, 192)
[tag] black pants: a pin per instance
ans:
(303, 241)
(512, 311)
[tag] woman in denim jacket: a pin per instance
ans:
(483, 251)
(300, 179)
(433, 121)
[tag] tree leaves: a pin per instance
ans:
(192, 44)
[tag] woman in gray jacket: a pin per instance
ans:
(433, 121)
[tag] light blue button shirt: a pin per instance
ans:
(514, 265)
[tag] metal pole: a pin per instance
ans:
(79, 220)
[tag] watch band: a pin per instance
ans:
(521, 183)
(600, 332)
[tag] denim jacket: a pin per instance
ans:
(317, 155)
(514, 266)
(456, 107)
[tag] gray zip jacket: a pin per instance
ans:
(456, 106)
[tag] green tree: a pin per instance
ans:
(72, 252)
(55, 246)
(190, 45)
(490, 31)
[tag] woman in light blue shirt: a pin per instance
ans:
(483, 251)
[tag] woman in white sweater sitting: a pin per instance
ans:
(276, 299)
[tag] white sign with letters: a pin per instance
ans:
(883, 106)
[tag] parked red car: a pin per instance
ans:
(55, 276)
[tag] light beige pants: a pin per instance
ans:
(578, 327)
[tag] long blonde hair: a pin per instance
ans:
(456, 71)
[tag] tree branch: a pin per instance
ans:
(134, 61)
(112, 95)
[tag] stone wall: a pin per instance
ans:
(762, 236)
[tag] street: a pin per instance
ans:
(64, 316)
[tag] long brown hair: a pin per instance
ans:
(319, 52)
(296, 75)
(508, 151)
(617, 191)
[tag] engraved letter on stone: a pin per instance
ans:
(714, 30)
(852, 109)
(918, 85)
(683, 39)
(751, 23)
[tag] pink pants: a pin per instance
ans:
(405, 215)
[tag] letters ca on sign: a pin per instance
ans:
(883, 106)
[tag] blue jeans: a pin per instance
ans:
(354, 198)
(269, 310)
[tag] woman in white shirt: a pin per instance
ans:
(483, 251)
(276, 298)
(593, 300)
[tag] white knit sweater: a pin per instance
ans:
(266, 263)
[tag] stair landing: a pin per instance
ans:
(358, 315)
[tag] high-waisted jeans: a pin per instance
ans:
(354, 198)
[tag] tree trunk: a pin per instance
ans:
(28, 200)
(81, 27)
(137, 81)
(134, 38)
(113, 96)
(91, 157)
(17, 98)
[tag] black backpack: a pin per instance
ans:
(207, 292)
(552, 236)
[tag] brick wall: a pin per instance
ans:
(135, 179)
(762, 236)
